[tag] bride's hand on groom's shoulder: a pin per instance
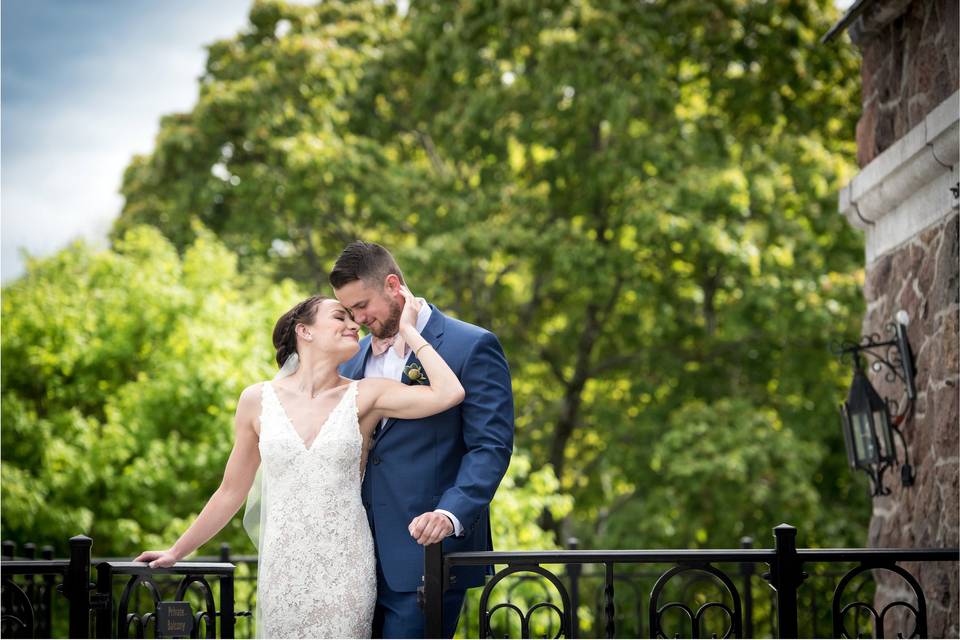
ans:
(157, 559)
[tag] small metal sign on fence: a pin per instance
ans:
(174, 619)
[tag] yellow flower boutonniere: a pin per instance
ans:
(415, 373)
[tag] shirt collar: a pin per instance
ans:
(423, 316)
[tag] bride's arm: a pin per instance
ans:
(230, 495)
(390, 398)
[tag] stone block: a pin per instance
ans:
(867, 134)
(922, 350)
(945, 288)
(929, 506)
(906, 265)
(951, 345)
(927, 271)
(920, 410)
(948, 42)
(949, 533)
(944, 423)
(943, 84)
(886, 127)
(877, 277)
(910, 301)
(924, 65)
(875, 59)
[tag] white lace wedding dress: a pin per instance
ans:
(317, 574)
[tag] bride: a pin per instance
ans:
(311, 431)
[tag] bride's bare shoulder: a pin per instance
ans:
(250, 398)
(369, 389)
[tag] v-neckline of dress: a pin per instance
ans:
(293, 428)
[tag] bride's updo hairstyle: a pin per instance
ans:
(284, 332)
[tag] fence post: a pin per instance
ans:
(227, 619)
(9, 548)
(77, 586)
(433, 590)
(573, 573)
(30, 553)
(104, 627)
(225, 552)
(746, 572)
(44, 623)
(785, 577)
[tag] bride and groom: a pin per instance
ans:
(367, 450)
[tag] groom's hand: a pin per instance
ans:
(429, 528)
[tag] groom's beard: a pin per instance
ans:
(389, 327)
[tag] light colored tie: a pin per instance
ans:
(380, 345)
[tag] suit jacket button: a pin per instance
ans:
(376, 460)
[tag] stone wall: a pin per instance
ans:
(922, 277)
(911, 63)
(908, 149)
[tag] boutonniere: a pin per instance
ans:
(415, 373)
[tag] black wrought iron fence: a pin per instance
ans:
(194, 599)
(779, 592)
(686, 593)
(28, 593)
(634, 583)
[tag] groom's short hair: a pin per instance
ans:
(365, 261)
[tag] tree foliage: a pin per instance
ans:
(122, 369)
(118, 416)
(638, 198)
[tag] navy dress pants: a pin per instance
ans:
(399, 616)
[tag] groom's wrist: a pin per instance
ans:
(457, 528)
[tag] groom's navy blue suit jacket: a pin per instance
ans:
(453, 460)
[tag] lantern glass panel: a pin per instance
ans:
(848, 436)
(881, 419)
(865, 442)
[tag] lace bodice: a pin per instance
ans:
(317, 575)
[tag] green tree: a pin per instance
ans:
(639, 199)
(122, 370)
(118, 417)
(264, 159)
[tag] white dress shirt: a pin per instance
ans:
(390, 364)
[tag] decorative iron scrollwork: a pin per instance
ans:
(562, 612)
(734, 615)
(839, 612)
(17, 620)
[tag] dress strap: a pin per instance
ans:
(349, 404)
(270, 409)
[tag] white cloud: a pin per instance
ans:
(64, 156)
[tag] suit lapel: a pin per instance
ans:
(433, 334)
(359, 369)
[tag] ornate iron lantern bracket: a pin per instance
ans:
(869, 421)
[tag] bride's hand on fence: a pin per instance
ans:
(157, 559)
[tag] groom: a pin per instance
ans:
(431, 479)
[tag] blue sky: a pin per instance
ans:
(84, 83)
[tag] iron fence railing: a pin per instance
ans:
(696, 593)
(746, 592)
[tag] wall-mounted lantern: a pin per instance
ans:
(869, 421)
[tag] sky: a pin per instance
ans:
(84, 84)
